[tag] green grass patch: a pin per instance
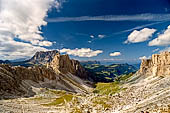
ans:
(113, 66)
(113, 87)
(107, 88)
(108, 78)
(123, 78)
(61, 100)
(48, 92)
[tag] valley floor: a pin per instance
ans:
(139, 93)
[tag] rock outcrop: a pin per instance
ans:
(59, 63)
(52, 70)
(12, 78)
(63, 64)
(158, 65)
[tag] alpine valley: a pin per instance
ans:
(51, 82)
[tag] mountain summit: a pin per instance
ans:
(43, 57)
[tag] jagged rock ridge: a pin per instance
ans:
(40, 58)
(43, 57)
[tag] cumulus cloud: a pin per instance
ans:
(15, 50)
(83, 52)
(42, 43)
(115, 54)
(22, 20)
(140, 36)
(162, 39)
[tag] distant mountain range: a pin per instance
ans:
(107, 73)
(89, 62)
(137, 66)
(5, 62)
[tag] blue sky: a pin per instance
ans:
(110, 31)
(76, 34)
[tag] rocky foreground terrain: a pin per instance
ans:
(147, 91)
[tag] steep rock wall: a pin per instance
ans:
(63, 64)
(158, 65)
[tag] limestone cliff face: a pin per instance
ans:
(63, 64)
(158, 65)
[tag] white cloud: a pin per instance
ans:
(91, 36)
(144, 57)
(115, 54)
(140, 27)
(138, 17)
(83, 52)
(14, 50)
(140, 36)
(155, 50)
(23, 19)
(113, 59)
(162, 39)
(101, 36)
(42, 43)
(89, 41)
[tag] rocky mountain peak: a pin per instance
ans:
(43, 57)
(63, 64)
(159, 64)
